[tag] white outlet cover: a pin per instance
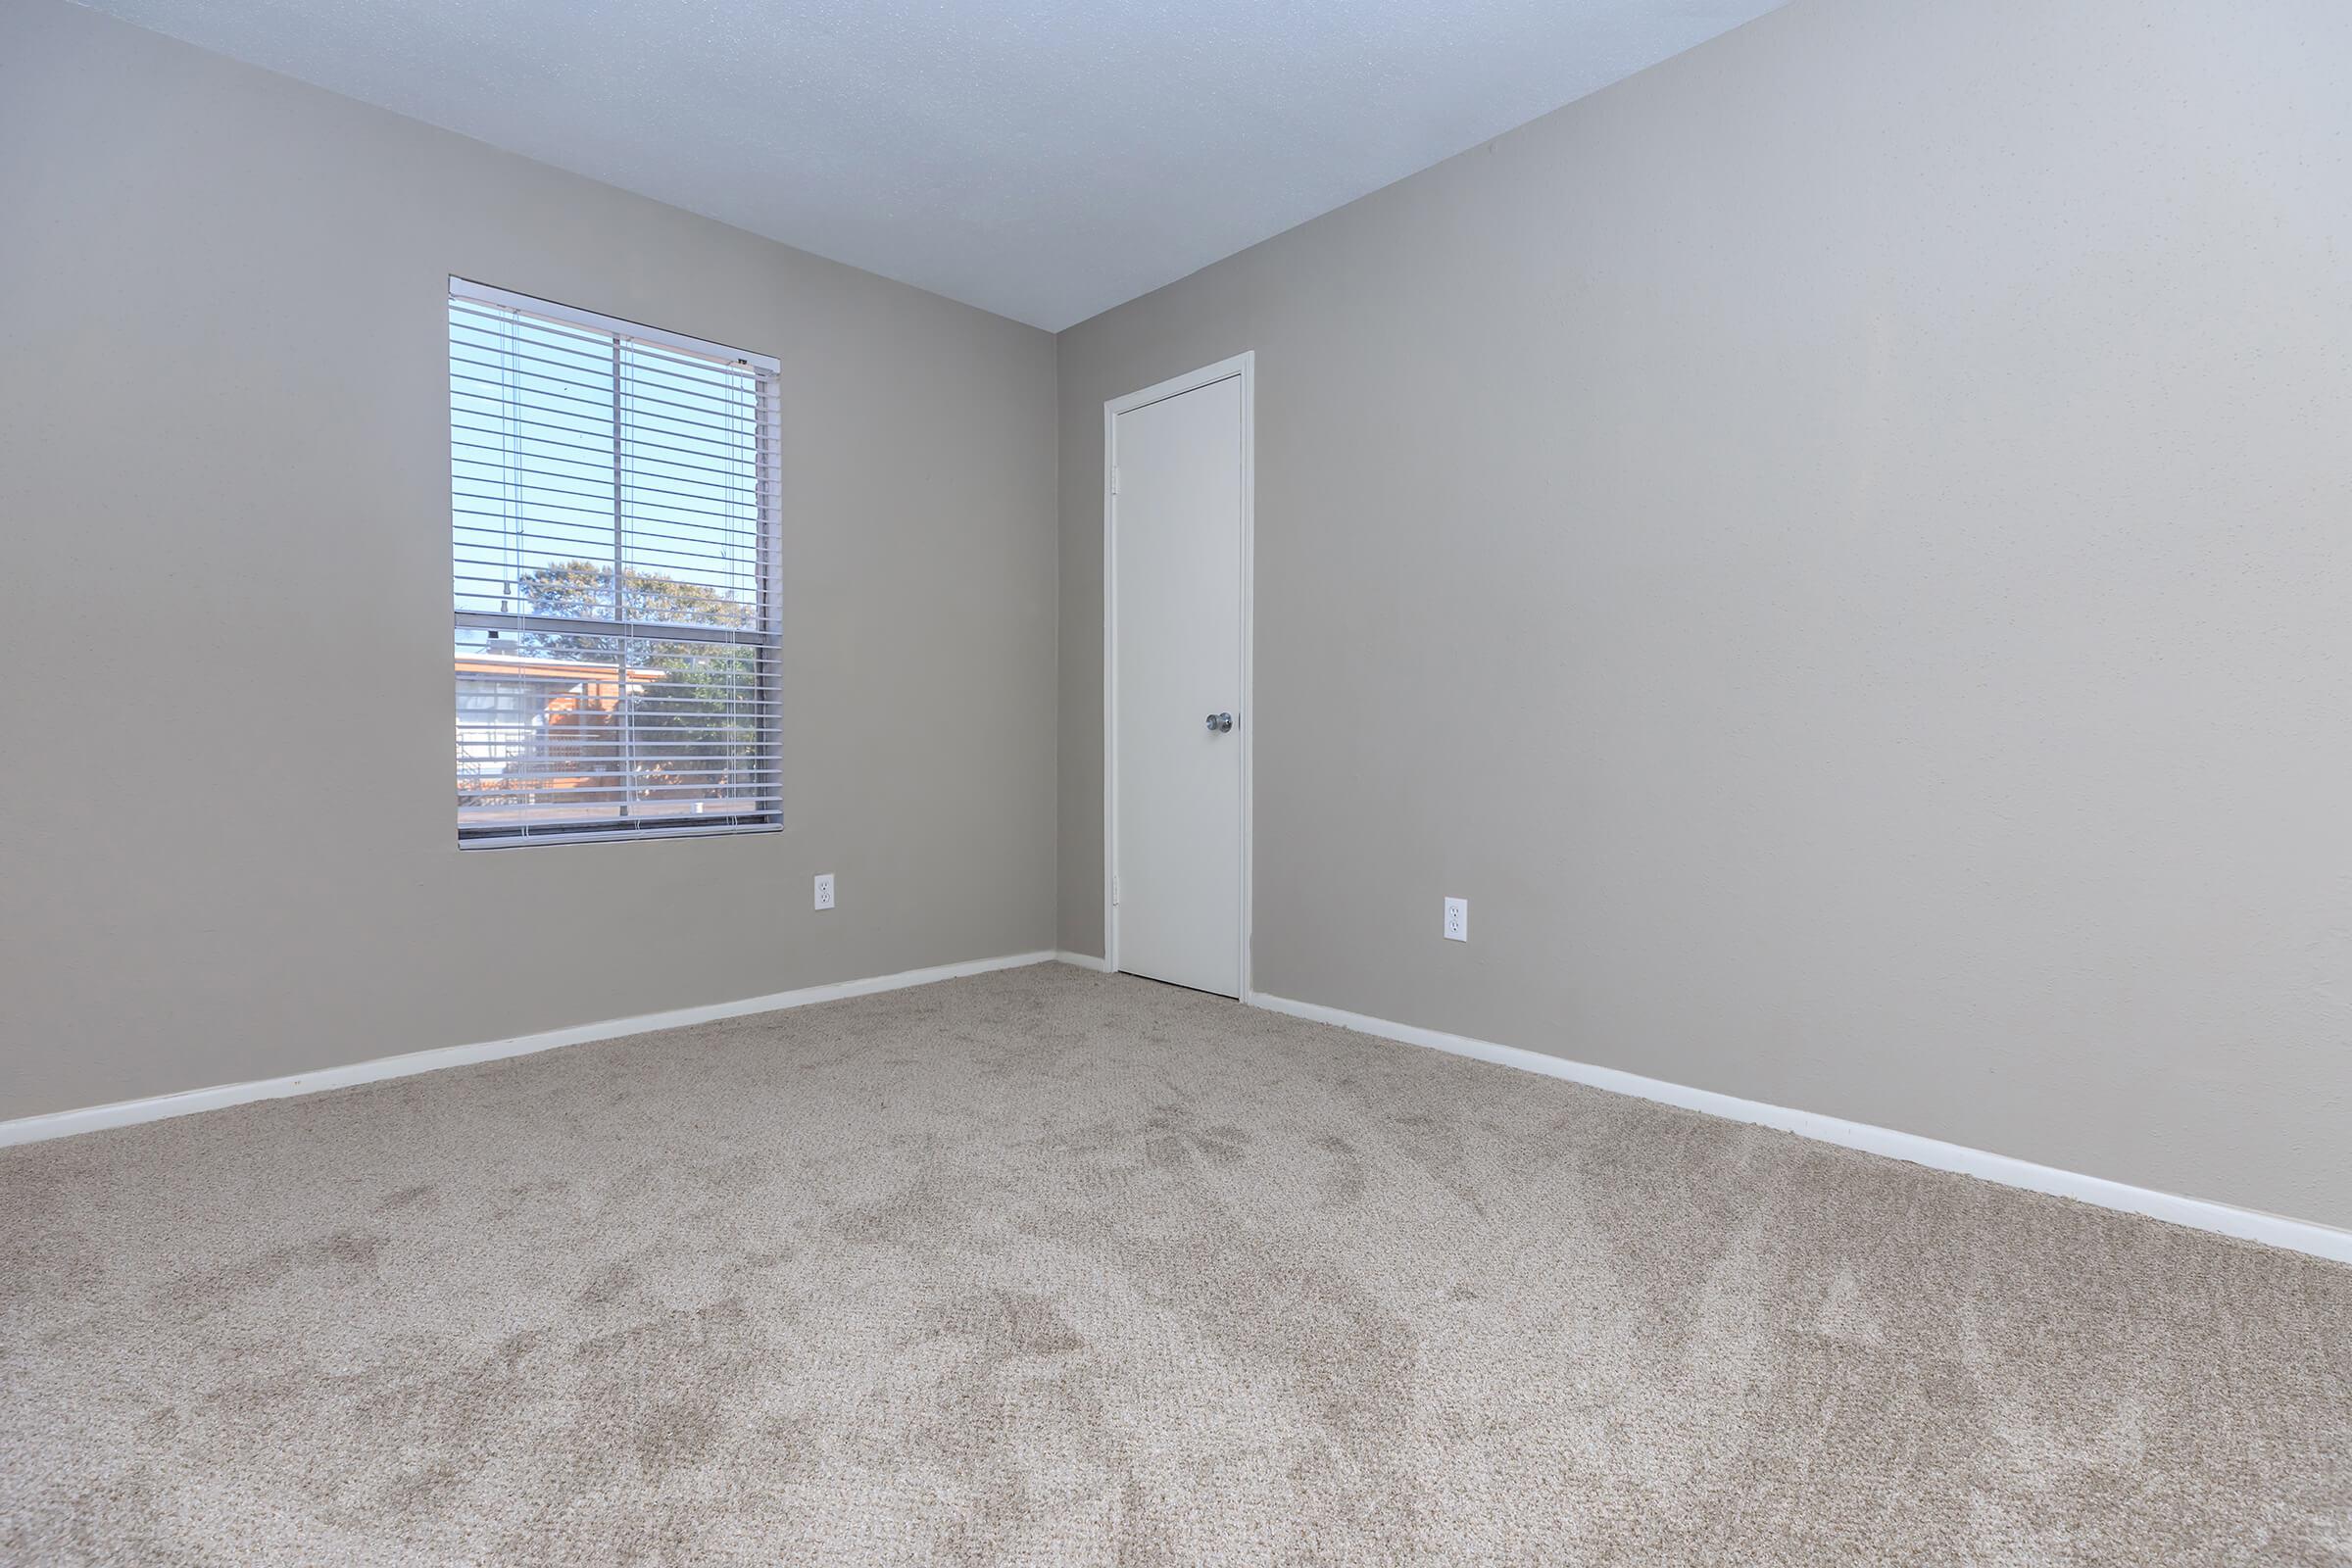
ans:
(1457, 919)
(824, 891)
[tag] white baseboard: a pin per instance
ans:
(2300, 1236)
(127, 1113)
(2253, 1225)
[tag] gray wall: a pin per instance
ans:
(227, 844)
(1840, 546)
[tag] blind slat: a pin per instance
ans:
(529, 315)
(498, 422)
(656, 546)
(733, 401)
(639, 633)
(747, 495)
(599, 401)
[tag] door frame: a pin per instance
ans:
(1245, 367)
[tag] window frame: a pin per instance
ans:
(766, 638)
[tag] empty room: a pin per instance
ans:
(1540, 782)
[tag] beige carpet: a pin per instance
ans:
(1052, 1267)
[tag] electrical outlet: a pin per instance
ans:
(1457, 919)
(824, 891)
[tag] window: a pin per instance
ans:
(614, 508)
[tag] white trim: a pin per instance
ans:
(1084, 960)
(1244, 366)
(2247, 1224)
(127, 1113)
(464, 288)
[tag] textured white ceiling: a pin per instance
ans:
(1043, 159)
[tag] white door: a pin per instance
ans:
(1178, 781)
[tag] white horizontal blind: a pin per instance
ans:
(616, 577)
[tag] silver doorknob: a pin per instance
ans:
(1220, 724)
